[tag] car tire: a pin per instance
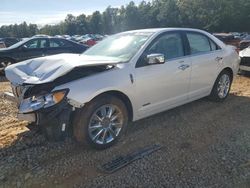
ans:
(221, 87)
(101, 122)
(4, 63)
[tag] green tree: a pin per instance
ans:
(211, 15)
(95, 23)
(81, 24)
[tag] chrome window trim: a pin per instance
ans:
(204, 53)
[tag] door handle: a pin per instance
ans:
(218, 58)
(184, 67)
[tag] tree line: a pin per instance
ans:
(210, 15)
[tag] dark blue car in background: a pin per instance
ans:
(37, 47)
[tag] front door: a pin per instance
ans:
(32, 49)
(162, 86)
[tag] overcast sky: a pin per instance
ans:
(50, 11)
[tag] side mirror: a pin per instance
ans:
(155, 59)
(24, 47)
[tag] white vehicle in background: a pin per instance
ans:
(125, 77)
(245, 60)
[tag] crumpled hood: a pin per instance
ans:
(245, 52)
(47, 69)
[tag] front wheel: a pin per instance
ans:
(221, 87)
(101, 122)
(3, 64)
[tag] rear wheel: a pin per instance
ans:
(102, 122)
(221, 87)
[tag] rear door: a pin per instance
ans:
(206, 57)
(57, 46)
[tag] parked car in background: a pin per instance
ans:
(229, 39)
(245, 59)
(88, 41)
(125, 77)
(41, 35)
(37, 47)
(245, 42)
(238, 35)
(9, 41)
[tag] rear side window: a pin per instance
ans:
(198, 43)
(54, 43)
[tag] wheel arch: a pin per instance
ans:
(9, 58)
(125, 99)
(230, 70)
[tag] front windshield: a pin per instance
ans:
(122, 46)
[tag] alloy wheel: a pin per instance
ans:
(4, 64)
(105, 124)
(223, 86)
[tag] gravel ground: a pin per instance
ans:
(205, 144)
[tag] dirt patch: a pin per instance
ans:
(205, 144)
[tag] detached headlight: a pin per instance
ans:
(44, 101)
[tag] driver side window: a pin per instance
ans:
(170, 45)
(35, 44)
(32, 44)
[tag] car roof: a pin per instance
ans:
(158, 30)
(47, 37)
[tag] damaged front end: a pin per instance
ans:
(48, 109)
(34, 84)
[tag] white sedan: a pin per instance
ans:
(125, 77)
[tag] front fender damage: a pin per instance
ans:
(55, 121)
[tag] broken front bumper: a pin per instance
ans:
(31, 117)
(55, 120)
(42, 116)
(9, 96)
